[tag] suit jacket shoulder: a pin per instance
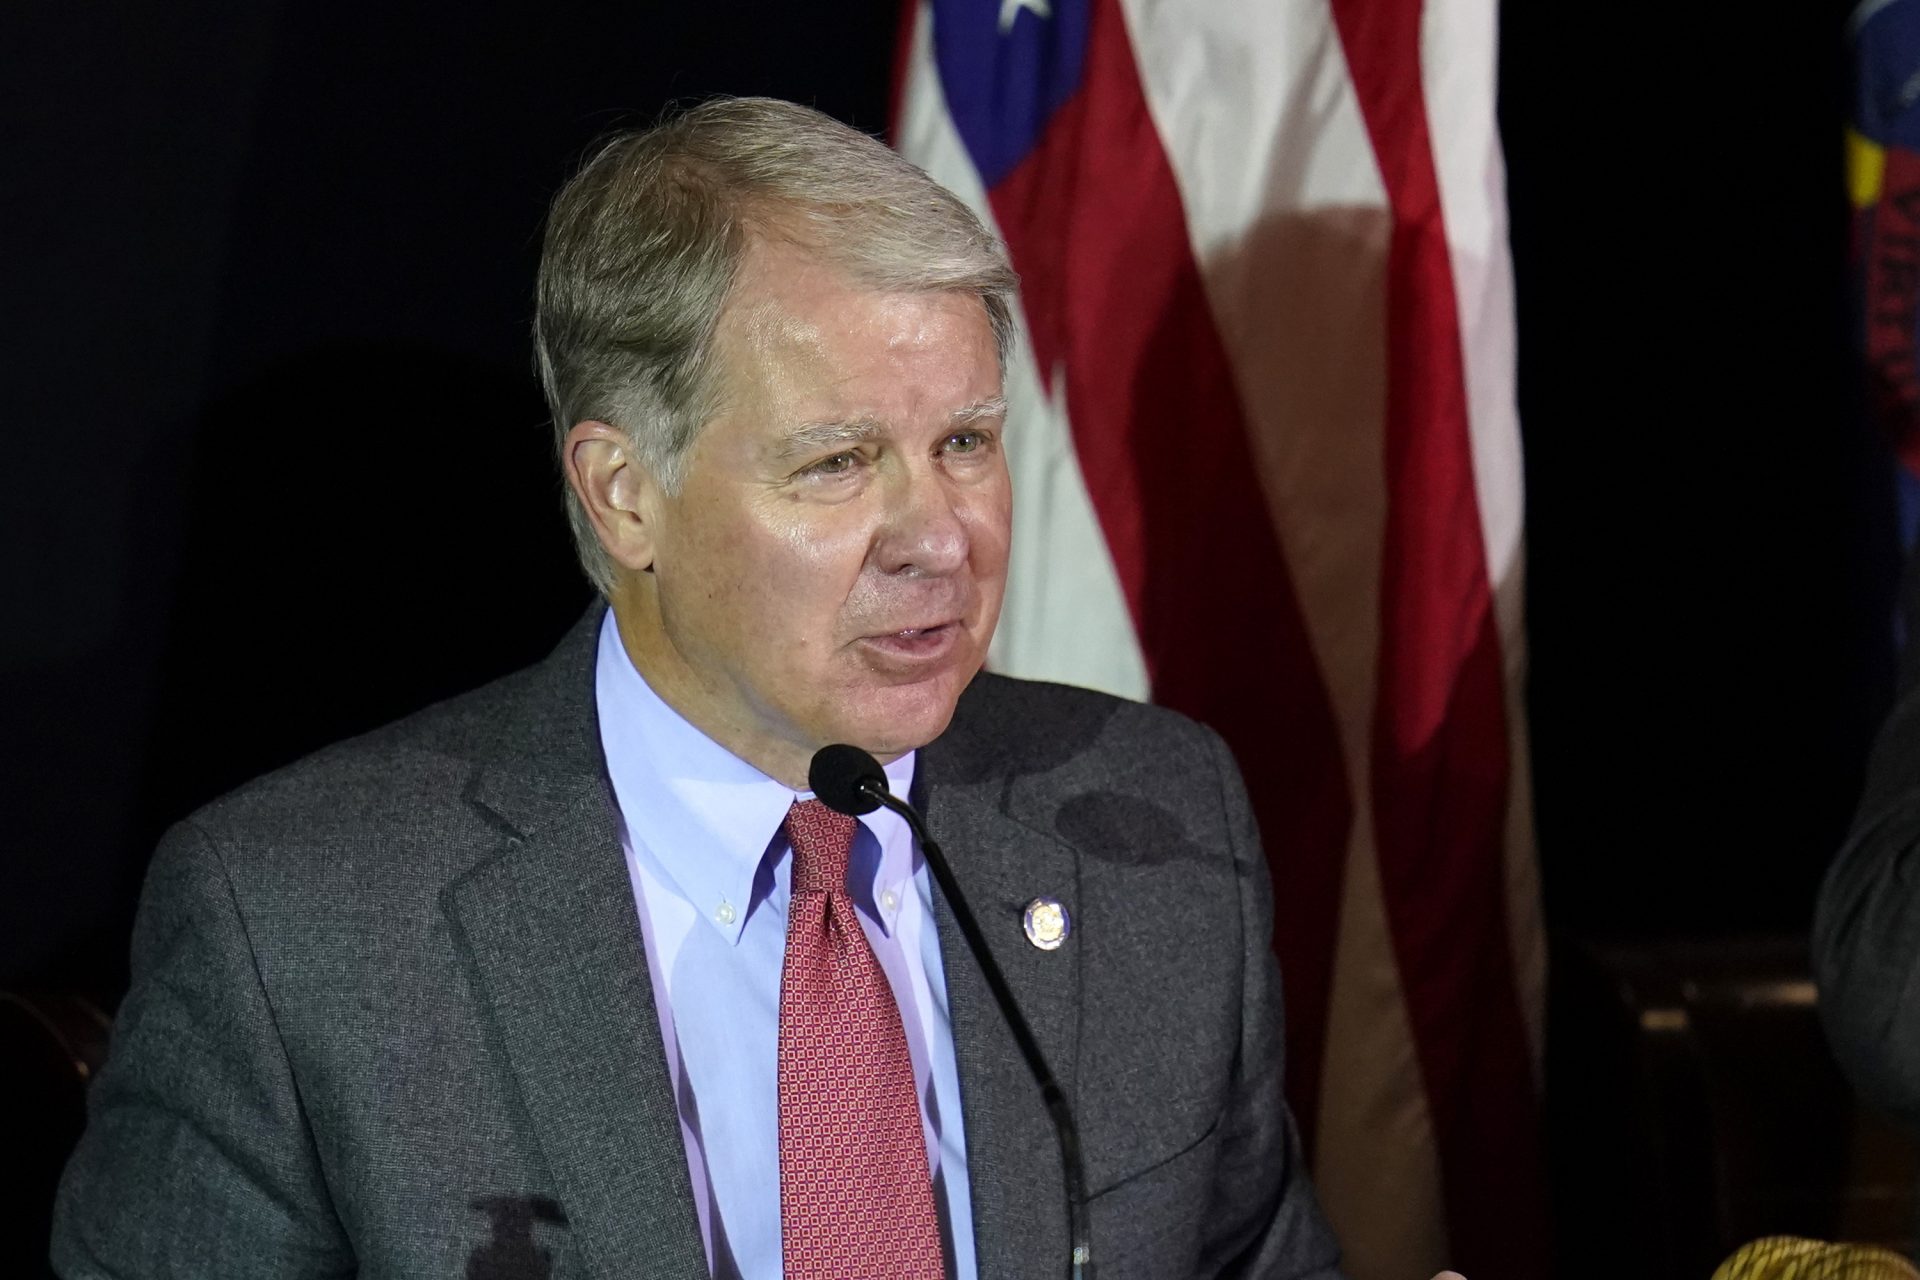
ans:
(1059, 739)
(406, 784)
(391, 1017)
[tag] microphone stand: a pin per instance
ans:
(1081, 1267)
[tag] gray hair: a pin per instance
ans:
(644, 244)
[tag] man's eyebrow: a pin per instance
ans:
(991, 407)
(812, 437)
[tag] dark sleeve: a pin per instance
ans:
(1866, 928)
(196, 1161)
(1265, 1221)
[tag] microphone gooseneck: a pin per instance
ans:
(850, 781)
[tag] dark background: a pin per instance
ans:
(275, 466)
(1712, 548)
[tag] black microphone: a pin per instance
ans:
(848, 780)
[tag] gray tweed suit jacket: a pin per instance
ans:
(391, 1014)
(1866, 927)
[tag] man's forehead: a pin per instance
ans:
(775, 273)
(785, 293)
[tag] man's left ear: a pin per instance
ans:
(617, 491)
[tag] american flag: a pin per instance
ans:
(1267, 471)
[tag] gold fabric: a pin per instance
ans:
(1791, 1258)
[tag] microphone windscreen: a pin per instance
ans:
(1793, 1258)
(839, 776)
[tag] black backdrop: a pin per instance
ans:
(275, 470)
(276, 461)
(1711, 524)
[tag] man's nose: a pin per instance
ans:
(925, 531)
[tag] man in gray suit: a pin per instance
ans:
(1866, 926)
(496, 991)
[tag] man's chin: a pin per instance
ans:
(893, 721)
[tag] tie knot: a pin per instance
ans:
(822, 843)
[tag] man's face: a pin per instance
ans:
(832, 568)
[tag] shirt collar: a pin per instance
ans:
(707, 816)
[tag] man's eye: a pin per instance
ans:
(838, 464)
(966, 441)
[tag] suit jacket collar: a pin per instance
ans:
(548, 929)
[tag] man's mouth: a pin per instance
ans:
(915, 645)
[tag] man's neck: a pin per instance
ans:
(668, 675)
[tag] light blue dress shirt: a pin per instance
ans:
(711, 872)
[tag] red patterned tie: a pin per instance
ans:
(855, 1196)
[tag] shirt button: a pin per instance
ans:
(890, 900)
(724, 913)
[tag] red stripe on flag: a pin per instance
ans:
(1891, 302)
(903, 35)
(1112, 293)
(1441, 769)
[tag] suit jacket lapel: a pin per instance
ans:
(1013, 1159)
(549, 930)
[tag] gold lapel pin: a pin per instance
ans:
(1047, 923)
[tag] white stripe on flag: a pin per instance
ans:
(1065, 616)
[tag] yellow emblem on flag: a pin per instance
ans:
(1866, 168)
